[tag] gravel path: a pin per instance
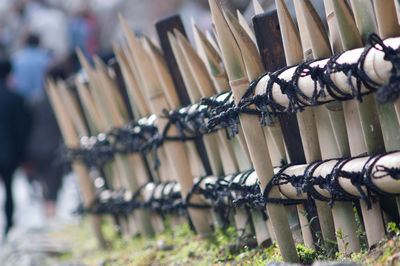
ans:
(31, 242)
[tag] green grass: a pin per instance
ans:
(185, 248)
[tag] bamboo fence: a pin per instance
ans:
(350, 140)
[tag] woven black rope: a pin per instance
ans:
(220, 112)
(227, 113)
(229, 192)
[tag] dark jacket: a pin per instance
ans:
(14, 126)
(44, 136)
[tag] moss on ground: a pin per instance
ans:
(181, 246)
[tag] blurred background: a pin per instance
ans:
(38, 38)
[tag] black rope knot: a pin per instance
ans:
(383, 171)
(388, 93)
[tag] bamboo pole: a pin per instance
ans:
(71, 140)
(163, 26)
(242, 21)
(78, 121)
(254, 69)
(165, 170)
(102, 126)
(205, 89)
(232, 160)
(388, 27)
(273, 133)
(327, 122)
(194, 96)
(214, 66)
(137, 99)
(167, 85)
(351, 38)
(173, 100)
(318, 124)
(213, 63)
(254, 135)
(306, 119)
(93, 117)
(138, 169)
(194, 93)
(175, 150)
(106, 103)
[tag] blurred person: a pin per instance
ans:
(29, 68)
(13, 132)
(83, 31)
(43, 163)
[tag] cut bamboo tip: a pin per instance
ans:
(230, 51)
(258, 9)
(248, 49)
(213, 57)
(197, 67)
(290, 35)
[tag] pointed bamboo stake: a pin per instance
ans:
(138, 166)
(253, 133)
(336, 130)
(206, 88)
(117, 180)
(351, 38)
(164, 173)
(175, 150)
(342, 212)
(257, 7)
(173, 100)
(163, 26)
(195, 96)
(388, 27)
(232, 161)
(364, 17)
(77, 119)
(75, 115)
(254, 68)
(71, 139)
(274, 137)
(397, 4)
(306, 120)
(343, 215)
(129, 81)
(204, 84)
(89, 107)
(107, 104)
(269, 41)
(214, 63)
(137, 98)
(94, 117)
(242, 21)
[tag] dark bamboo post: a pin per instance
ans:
(269, 41)
(163, 26)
